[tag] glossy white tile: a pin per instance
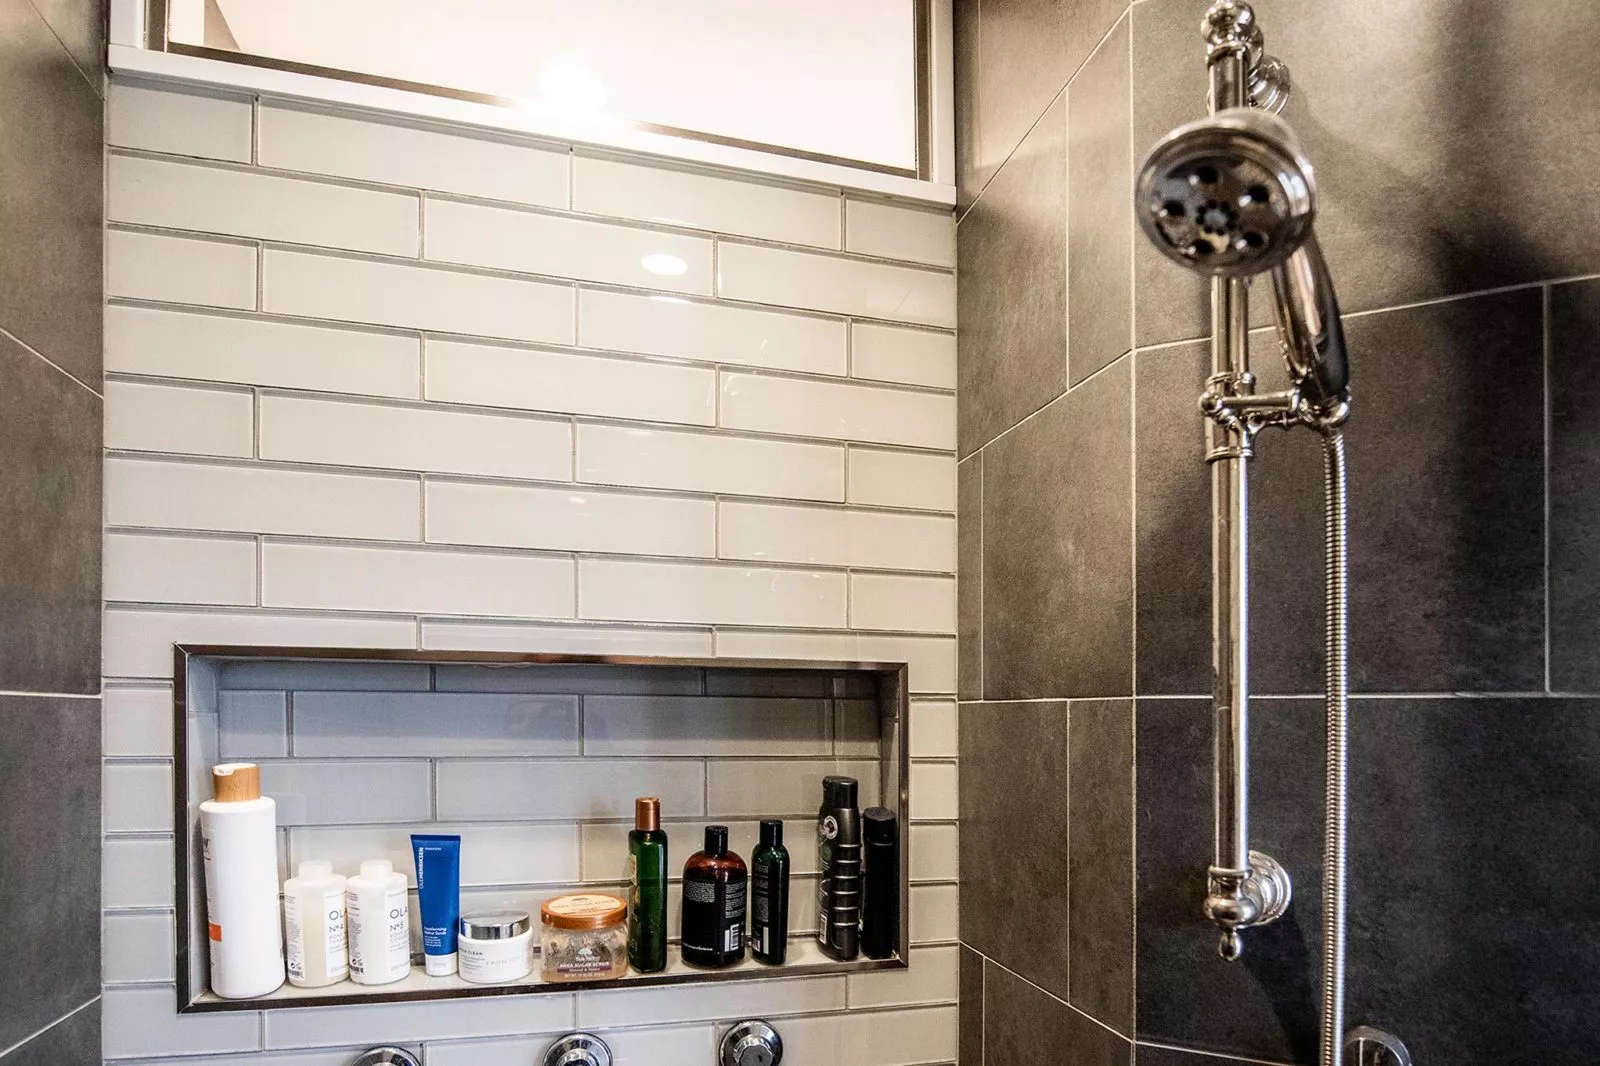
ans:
(834, 283)
(566, 382)
(738, 788)
(701, 201)
(887, 1038)
(142, 1022)
(138, 643)
(564, 247)
(605, 845)
(178, 122)
(154, 266)
(490, 854)
(161, 418)
(136, 873)
(838, 411)
(416, 296)
(433, 724)
(248, 203)
(655, 1006)
(136, 798)
(357, 1025)
(137, 720)
(710, 332)
(912, 604)
(568, 519)
(902, 479)
(935, 914)
(934, 730)
(252, 725)
(624, 590)
(254, 351)
(137, 948)
(706, 462)
(205, 570)
(349, 792)
(415, 581)
(835, 537)
(584, 639)
(932, 978)
(435, 440)
(932, 660)
(934, 791)
(490, 790)
(706, 725)
(416, 156)
(579, 679)
(935, 851)
(919, 235)
(258, 499)
(691, 1046)
(912, 356)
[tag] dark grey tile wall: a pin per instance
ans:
(1453, 212)
(51, 74)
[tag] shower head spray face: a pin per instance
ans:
(1230, 195)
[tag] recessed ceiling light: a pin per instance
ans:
(666, 265)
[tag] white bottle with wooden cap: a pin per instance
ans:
(239, 830)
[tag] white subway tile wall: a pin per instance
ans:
(390, 384)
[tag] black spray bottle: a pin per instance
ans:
(769, 900)
(880, 909)
(714, 887)
(839, 867)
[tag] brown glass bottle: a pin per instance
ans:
(715, 884)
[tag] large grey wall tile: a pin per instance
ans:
(1024, 1026)
(1022, 65)
(1101, 926)
(75, 1039)
(1014, 837)
(50, 836)
(1057, 548)
(1430, 818)
(970, 991)
(1442, 167)
(1172, 501)
(969, 567)
(1446, 509)
(1099, 210)
(50, 542)
(1012, 289)
(1574, 473)
(973, 171)
(81, 25)
(50, 215)
(1166, 1056)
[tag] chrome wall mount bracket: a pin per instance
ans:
(1366, 1046)
(1243, 899)
(752, 1043)
(578, 1049)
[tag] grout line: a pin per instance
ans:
(983, 664)
(40, 1032)
(51, 363)
(1548, 401)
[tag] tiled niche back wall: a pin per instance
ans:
(377, 385)
(1455, 214)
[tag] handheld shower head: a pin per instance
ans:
(1233, 196)
(1230, 195)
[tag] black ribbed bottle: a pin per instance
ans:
(839, 867)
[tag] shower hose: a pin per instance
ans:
(1336, 688)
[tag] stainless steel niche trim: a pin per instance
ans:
(158, 38)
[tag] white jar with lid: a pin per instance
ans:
(494, 946)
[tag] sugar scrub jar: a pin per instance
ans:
(494, 946)
(585, 938)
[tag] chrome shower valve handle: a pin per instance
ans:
(1243, 899)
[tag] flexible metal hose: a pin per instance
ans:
(1336, 688)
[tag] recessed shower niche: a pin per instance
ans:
(534, 761)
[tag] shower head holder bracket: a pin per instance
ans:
(1244, 899)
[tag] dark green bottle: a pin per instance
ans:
(647, 896)
(769, 905)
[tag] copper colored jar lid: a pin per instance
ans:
(587, 911)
